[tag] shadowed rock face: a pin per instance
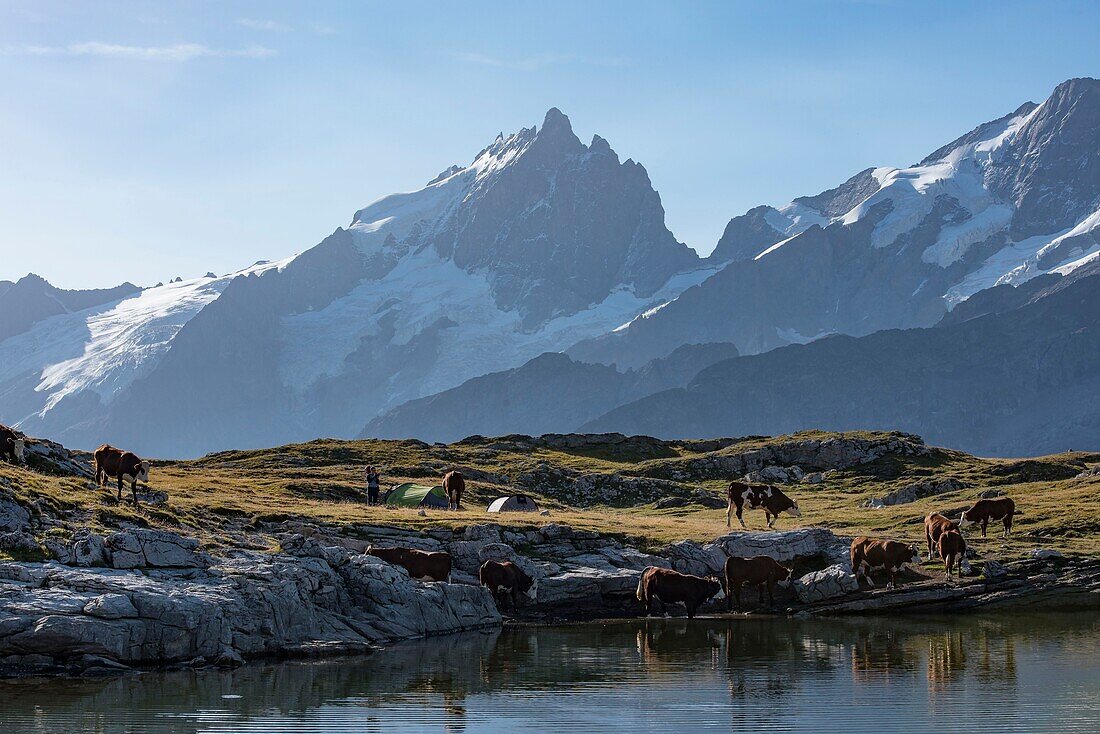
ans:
(1051, 169)
(549, 394)
(562, 225)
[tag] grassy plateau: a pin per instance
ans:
(242, 499)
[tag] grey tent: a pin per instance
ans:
(515, 503)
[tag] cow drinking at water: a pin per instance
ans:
(454, 485)
(742, 496)
(504, 579)
(758, 571)
(11, 444)
(1000, 508)
(672, 587)
(125, 466)
(890, 556)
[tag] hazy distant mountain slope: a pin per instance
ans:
(549, 394)
(1022, 381)
(1012, 199)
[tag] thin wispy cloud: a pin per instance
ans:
(538, 61)
(255, 24)
(173, 52)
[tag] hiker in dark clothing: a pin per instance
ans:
(372, 486)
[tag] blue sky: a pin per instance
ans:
(145, 140)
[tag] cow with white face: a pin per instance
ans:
(11, 445)
(741, 496)
(124, 466)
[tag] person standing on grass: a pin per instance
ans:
(372, 486)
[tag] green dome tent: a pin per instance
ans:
(416, 495)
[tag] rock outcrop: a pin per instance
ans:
(915, 491)
(801, 548)
(325, 599)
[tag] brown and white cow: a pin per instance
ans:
(952, 548)
(124, 466)
(421, 565)
(505, 580)
(673, 587)
(936, 525)
(454, 485)
(758, 571)
(741, 496)
(890, 556)
(997, 508)
(11, 444)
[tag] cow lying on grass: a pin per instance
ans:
(505, 580)
(890, 556)
(672, 587)
(741, 496)
(421, 565)
(758, 571)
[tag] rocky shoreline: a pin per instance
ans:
(140, 599)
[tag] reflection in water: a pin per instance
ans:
(1004, 673)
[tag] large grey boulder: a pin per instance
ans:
(13, 516)
(111, 606)
(776, 474)
(915, 491)
(828, 583)
(88, 550)
(140, 548)
(786, 545)
(687, 556)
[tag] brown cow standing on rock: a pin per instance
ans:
(421, 565)
(936, 525)
(758, 571)
(672, 587)
(11, 444)
(952, 548)
(890, 556)
(504, 579)
(125, 466)
(1000, 508)
(743, 496)
(454, 485)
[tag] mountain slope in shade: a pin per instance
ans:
(542, 241)
(1015, 198)
(549, 394)
(1005, 383)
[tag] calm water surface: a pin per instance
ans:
(970, 674)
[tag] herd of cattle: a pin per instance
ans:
(507, 581)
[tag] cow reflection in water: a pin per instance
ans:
(946, 660)
(454, 699)
(880, 655)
